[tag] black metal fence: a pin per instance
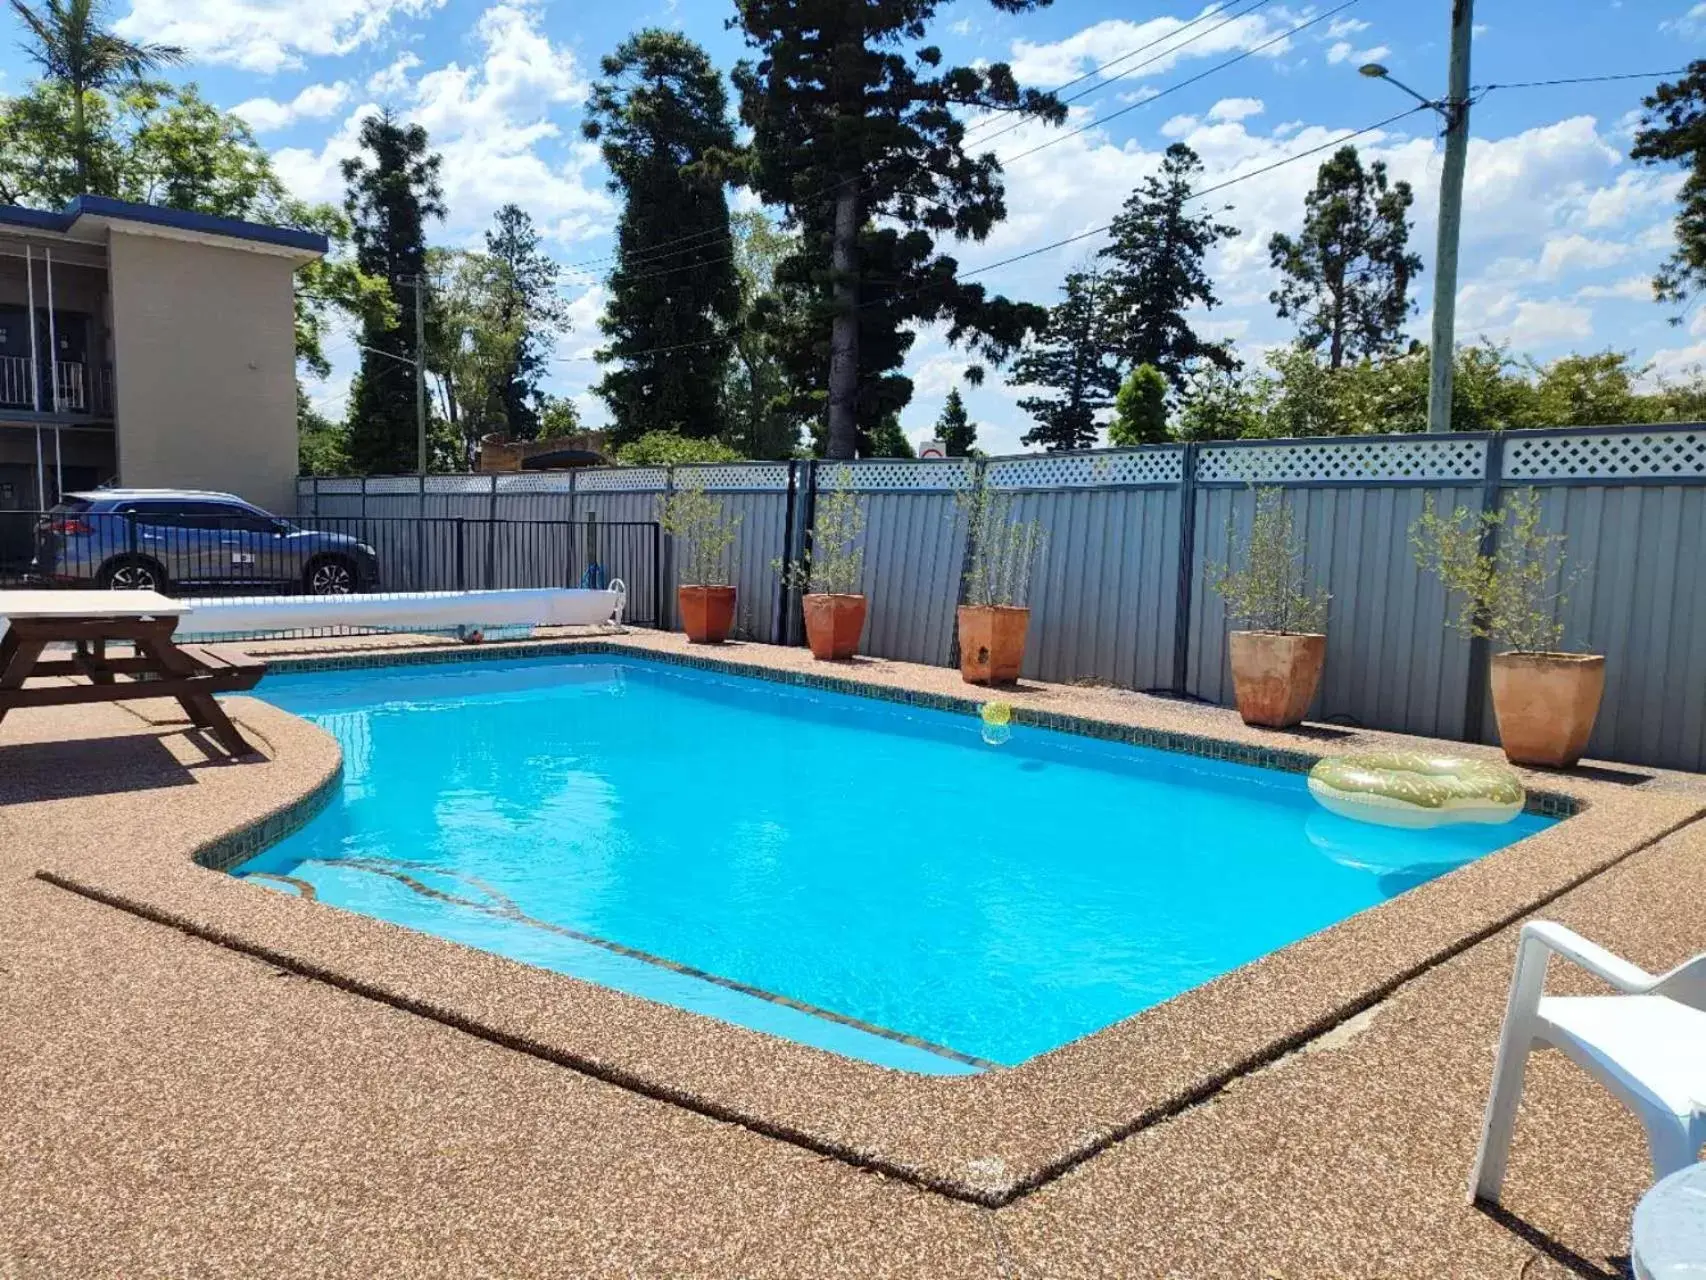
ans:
(187, 553)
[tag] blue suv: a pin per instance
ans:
(164, 539)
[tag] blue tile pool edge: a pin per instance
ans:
(1548, 804)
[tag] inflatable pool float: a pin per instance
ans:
(1414, 789)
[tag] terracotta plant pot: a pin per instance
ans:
(707, 613)
(992, 642)
(1275, 675)
(1545, 704)
(834, 624)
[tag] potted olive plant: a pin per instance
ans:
(995, 616)
(703, 534)
(828, 574)
(1279, 644)
(1545, 702)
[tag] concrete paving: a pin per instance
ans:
(173, 1107)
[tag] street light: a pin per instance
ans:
(1454, 107)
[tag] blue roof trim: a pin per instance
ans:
(126, 211)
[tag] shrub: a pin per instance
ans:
(668, 449)
(703, 533)
(834, 564)
(1510, 596)
(1268, 590)
(1003, 550)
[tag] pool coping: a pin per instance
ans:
(986, 1139)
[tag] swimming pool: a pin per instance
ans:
(864, 876)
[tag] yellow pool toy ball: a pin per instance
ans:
(997, 714)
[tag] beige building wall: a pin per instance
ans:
(205, 368)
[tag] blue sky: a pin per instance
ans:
(1561, 231)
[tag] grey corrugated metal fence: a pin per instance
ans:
(1120, 596)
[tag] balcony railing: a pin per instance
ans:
(83, 389)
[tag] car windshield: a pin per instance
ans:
(70, 506)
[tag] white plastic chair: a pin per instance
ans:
(1647, 1046)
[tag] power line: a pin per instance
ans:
(1165, 53)
(1340, 140)
(1335, 141)
(664, 249)
(1624, 75)
(1174, 88)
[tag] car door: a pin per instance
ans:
(258, 547)
(152, 528)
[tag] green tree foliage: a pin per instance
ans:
(660, 115)
(1346, 277)
(858, 133)
(558, 417)
(527, 307)
(392, 191)
(764, 416)
(1265, 582)
(495, 316)
(955, 429)
(1140, 409)
(322, 446)
(1223, 404)
(1155, 272)
(1300, 395)
(1073, 358)
(1672, 131)
(66, 40)
(889, 440)
(669, 449)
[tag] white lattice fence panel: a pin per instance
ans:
(881, 475)
(459, 484)
(749, 477)
(390, 486)
(338, 486)
(536, 482)
(1088, 470)
(622, 479)
(1447, 460)
(1675, 454)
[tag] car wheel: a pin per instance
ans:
(331, 576)
(132, 573)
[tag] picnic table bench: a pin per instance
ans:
(156, 667)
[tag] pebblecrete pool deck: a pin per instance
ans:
(205, 1076)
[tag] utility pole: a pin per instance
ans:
(420, 382)
(1455, 109)
(1444, 340)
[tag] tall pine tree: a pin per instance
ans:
(392, 191)
(660, 115)
(1073, 358)
(1346, 277)
(955, 429)
(1155, 272)
(528, 306)
(856, 134)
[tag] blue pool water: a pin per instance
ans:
(712, 842)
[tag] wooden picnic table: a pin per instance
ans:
(157, 667)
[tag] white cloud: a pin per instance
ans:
(1690, 25)
(1542, 323)
(1565, 254)
(1635, 192)
(315, 102)
(266, 35)
(1063, 60)
(491, 121)
(1236, 108)
(1339, 28)
(1345, 51)
(1178, 126)
(392, 79)
(1630, 288)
